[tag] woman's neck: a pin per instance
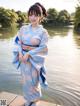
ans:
(34, 25)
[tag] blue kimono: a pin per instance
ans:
(33, 71)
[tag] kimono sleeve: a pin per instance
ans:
(37, 55)
(37, 58)
(17, 41)
(42, 49)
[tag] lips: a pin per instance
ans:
(33, 20)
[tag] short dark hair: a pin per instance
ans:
(34, 9)
(38, 10)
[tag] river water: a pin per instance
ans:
(62, 63)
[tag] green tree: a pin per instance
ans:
(52, 16)
(77, 19)
(63, 17)
(7, 17)
(22, 17)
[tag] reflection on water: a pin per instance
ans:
(58, 31)
(63, 68)
(77, 39)
(7, 33)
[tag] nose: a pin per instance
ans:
(33, 16)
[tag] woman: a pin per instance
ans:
(30, 51)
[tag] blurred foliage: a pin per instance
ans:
(77, 18)
(56, 18)
(9, 18)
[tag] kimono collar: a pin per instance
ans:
(39, 26)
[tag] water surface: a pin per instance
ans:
(62, 63)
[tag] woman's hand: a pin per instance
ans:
(20, 57)
(27, 47)
(25, 57)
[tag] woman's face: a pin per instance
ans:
(34, 19)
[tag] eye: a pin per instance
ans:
(30, 14)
